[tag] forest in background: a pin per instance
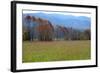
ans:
(43, 30)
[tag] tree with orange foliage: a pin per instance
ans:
(45, 30)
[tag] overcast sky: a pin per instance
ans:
(64, 13)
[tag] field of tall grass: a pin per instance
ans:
(42, 51)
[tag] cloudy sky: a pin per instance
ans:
(64, 13)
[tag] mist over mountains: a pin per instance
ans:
(77, 22)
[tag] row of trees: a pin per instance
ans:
(43, 30)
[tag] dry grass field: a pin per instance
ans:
(38, 51)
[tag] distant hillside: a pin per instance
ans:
(77, 22)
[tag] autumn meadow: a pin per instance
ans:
(55, 36)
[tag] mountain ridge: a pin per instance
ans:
(77, 22)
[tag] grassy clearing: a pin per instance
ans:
(55, 51)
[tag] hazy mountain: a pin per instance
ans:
(78, 22)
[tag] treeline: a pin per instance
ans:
(43, 30)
